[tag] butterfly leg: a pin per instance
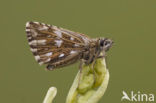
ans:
(96, 55)
(80, 68)
(93, 68)
(103, 55)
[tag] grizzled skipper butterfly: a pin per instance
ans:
(57, 47)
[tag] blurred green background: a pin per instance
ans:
(131, 61)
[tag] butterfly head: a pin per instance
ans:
(105, 43)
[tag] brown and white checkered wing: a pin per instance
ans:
(54, 46)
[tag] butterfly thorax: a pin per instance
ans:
(95, 48)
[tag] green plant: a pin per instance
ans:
(88, 86)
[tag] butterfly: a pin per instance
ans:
(58, 47)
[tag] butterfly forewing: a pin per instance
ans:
(53, 45)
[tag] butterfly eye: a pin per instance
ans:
(102, 43)
(105, 43)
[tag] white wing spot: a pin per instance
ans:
(27, 24)
(61, 55)
(40, 63)
(34, 42)
(72, 52)
(34, 33)
(49, 54)
(58, 42)
(36, 22)
(71, 38)
(76, 45)
(33, 50)
(48, 60)
(43, 23)
(49, 36)
(37, 57)
(43, 28)
(41, 42)
(27, 30)
(55, 27)
(59, 33)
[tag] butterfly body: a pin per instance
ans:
(58, 47)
